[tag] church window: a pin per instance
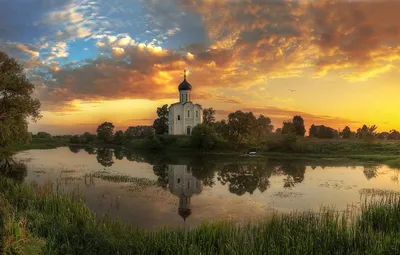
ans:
(197, 114)
(179, 180)
(179, 117)
(188, 114)
(188, 185)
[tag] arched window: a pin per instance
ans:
(179, 117)
(188, 113)
(197, 114)
(188, 130)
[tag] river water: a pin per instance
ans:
(182, 190)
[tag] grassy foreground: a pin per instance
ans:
(36, 219)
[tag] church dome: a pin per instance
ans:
(184, 213)
(184, 85)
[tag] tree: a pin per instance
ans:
(43, 135)
(75, 139)
(313, 131)
(323, 132)
(394, 135)
(119, 137)
(16, 104)
(221, 128)
(346, 133)
(278, 131)
(239, 126)
(262, 126)
(161, 123)
(288, 128)
(298, 124)
(369, 135)
(88, 137)
(138, 132)
(208, 116)
(203, 137)
(360, 131)
(105, 132)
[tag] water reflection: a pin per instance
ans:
(370, 171)
(184, 185)
(157, 190)
(242, 178)
(105, 157)
(75, 149)
(12, 169)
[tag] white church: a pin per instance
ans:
(184, 185)
(184, 115)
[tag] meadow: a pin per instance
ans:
(35, 219)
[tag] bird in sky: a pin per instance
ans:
(292, 90)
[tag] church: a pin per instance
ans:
(184, 115)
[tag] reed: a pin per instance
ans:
(64, 225)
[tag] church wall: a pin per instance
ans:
(181, 182)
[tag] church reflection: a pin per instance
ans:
(184, 185)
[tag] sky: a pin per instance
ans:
(333, 62)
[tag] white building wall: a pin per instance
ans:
(190, 115)
(183, 183)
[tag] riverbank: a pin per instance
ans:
(36, 219)
(387, 152)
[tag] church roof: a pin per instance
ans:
(184, 213)
(185, 85)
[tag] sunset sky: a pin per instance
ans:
(332, 62)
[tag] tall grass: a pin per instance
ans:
(66, 226)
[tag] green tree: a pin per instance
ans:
(16, 104)
(288, 128)
(119, 137)
(43, 135)
(262, 126)
(203, 137)
(298, 124)
(369, 135)
(88, 137)
(105, 132)
(313, 131)
(394, 135)
(76, 139)
(239, 126)
(221, 128)
(208, 116)
(346, 133)
(160, 124)
(361, 131)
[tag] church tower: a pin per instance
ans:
(184, 185)
(185, 90)
(184, 115)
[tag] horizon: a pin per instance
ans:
(335, 63)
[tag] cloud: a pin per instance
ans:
(360, 38)
(224, 44)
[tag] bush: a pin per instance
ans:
(75, 139)
(289, 142)
(155, 143)
(203, 137)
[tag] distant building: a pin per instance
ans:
(183, 185)
(184, 115)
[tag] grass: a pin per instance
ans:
(37, 218)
